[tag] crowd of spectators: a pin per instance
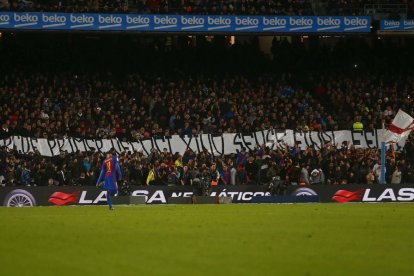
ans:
(330, 165)
(303, 88)
(152, 102)
(43, 106)
(291, 7)
(250, 7)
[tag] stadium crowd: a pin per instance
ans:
(87, 106)
(330, 165)
(250, 7)
(311, 88)
(160, 6)
(301, 89)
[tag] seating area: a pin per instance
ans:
(246, 7)
(134, 90)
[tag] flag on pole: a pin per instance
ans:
(400, 127)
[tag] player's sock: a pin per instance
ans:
(108, 198)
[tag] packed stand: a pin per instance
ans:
(330, 165)
(153, 102)
(253, 7)
(248, 7)
(89, 107)
(303, 87)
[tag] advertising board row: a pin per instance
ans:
(75, 195)
(184, 23)
(196, 23)
(397, 25)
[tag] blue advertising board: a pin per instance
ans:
(184, 23)
(397, 25)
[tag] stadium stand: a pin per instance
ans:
(160, 89)
(346, 165)
(251, 7)
(307, 88)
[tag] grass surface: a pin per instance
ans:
(308, 239)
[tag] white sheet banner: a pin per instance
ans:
(216, 144)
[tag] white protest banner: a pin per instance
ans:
(228, 143)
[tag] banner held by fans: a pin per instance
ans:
(228, 143)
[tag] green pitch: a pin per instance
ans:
(308, 239)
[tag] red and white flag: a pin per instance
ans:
(400, 128)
